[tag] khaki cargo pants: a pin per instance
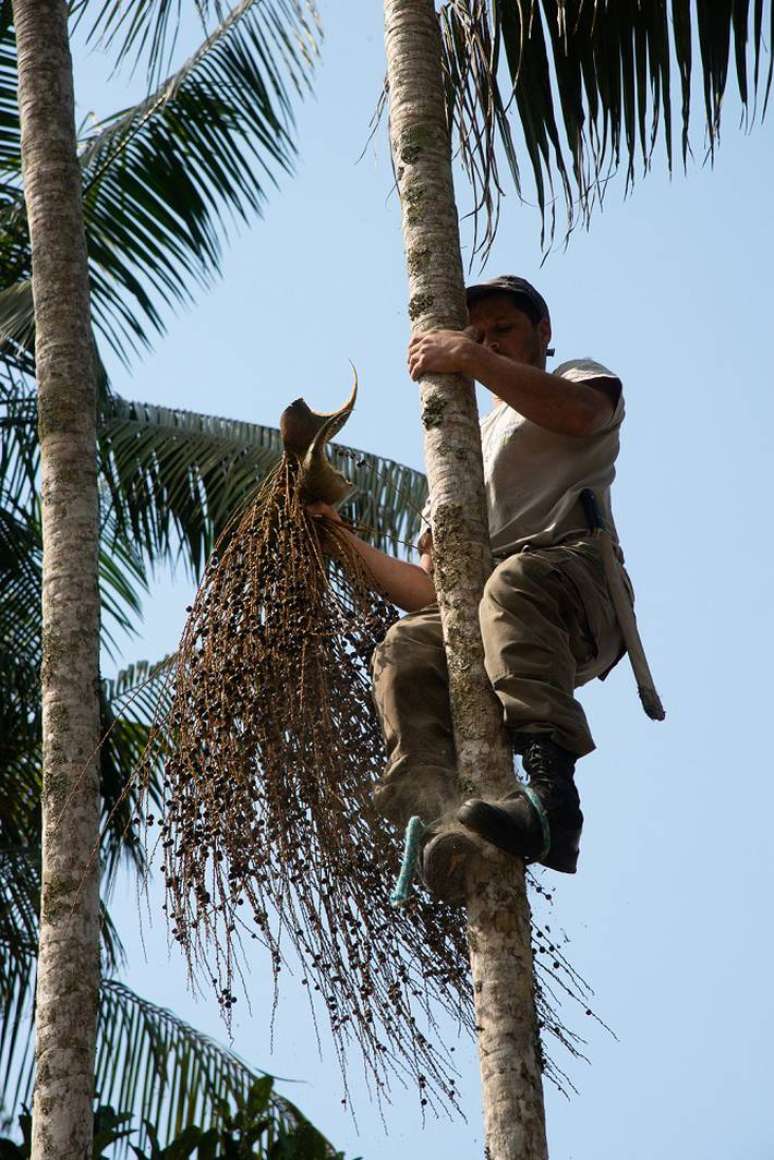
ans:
(548, 625)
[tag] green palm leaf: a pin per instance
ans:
(121, 567)
(149, 28)
(125, 701)
(215, 134)
(19, 908)
(175, 478)
(152, 1062)
(10, 137)
(121, 575)
(160, 177)
(583, 88)
(131, 703)
(18, 438)
(149, 1062)
(19, 903)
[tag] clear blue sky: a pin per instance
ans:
(668, 915)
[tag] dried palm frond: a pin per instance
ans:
(272, 748)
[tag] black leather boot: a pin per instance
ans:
(539, 822)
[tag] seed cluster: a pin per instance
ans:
(271, 747)
(268, 830)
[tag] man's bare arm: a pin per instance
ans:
(552, 402)
(410, 586)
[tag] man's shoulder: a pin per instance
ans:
(578, 370)
(588, 370)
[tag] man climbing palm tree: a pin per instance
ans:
(547, 618)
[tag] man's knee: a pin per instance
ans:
(395, 648)
(409, 648)
(394, 639)
(517, 580)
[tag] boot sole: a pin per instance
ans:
(445, 859)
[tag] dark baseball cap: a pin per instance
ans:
(509, 284)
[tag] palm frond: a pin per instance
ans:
(19, 908)
(16, 311)
(175, 478)
(152, 1063)
(20, 719)
(163, 178)
(20, 551)
(158, 177)
(20, 618)
(121, 567)
(583, 88)
(19, 903)
(139, 691)
(122, 581)
(149, 1062)
(19, 760)
(148, 30)
(121, 572)
(131, 703)
(17, 314)
(10, 135)
(121, 576)
(19, 453)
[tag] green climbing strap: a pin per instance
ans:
(543, 816)
(414, 831)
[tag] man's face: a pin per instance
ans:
(508, 331)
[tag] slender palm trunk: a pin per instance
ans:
(68, 962)
(498, 911)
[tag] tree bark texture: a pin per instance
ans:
(498, 910)
(68, 962)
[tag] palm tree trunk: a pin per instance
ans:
(68, 962)
(498, 911)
